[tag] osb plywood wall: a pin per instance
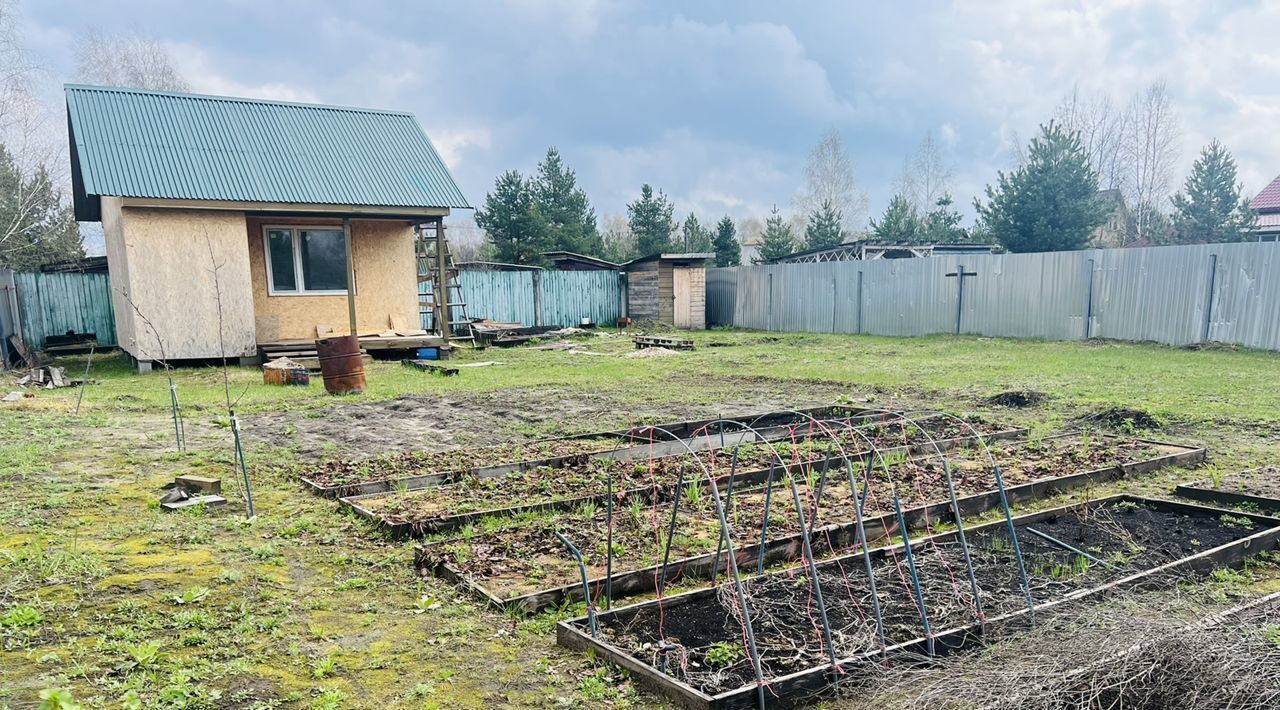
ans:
(162, 261)
(386, 283)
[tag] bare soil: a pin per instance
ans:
(524, 556)
(656, 475)
(703, 640)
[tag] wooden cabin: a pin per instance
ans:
(234, 226)
(669, 289)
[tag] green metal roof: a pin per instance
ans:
(152, 144)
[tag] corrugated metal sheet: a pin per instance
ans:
(1177, 295)
(543, 297)
(566, 297)
(52, 304)
(722, 288)
(135, 143)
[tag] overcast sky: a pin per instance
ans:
(717, 103)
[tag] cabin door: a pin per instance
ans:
(682, 286)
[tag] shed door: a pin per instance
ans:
(682, 286)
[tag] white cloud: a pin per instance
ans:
(199, 68)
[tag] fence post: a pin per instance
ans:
(859, 331)
(835, 285)
(1208, 299)
(769, 318)
(537, 298)
(1088, 303)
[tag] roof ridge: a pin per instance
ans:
(230, 99)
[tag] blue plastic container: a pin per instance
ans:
(428, 353)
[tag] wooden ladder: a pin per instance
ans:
(434, 256)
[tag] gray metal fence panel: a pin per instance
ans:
(1176, 295)
(722, 288)
(1246, 306)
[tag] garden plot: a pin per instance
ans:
(411, 470)
(656, 474)
(799, 638)
(520, 563)
(1259, 488)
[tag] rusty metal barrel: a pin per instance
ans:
(341, 364)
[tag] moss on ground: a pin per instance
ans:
(302, 607)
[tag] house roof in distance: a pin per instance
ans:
(571, 257)
(672, 256)
(1269, 199)
(162, 145)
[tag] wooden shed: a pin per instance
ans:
(670, 289)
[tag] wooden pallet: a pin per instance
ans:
(650, 341)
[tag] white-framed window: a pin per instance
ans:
(305, 261)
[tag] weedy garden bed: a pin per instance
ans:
(1259, 488)
(523, 566)
(696, 649)
(412, 470)
(657, 476)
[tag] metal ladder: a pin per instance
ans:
(432, 250)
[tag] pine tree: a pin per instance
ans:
(1049, 203)
(942, 224)
(562, 206)
(511, 223)
(697, 239)
(728, 249)
(777, 240)
(36, 228)
(1210, 207)
(900, 224)
(824, 228)
(650, 220)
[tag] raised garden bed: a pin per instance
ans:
(524, 567)
(690, 647)
(412, 470)
(584, 482)
(1259, 488)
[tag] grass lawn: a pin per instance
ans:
(122, 606)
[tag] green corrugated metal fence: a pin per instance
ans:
(543, 297)
(52, 304)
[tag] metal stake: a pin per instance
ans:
(742, 596)
(764, 526)
(733, 468)
(813, 572)
(1069, 548)
(608, 542)
(85, 380)
(671, 531)
(964, 543)
(1017, 549)
(586, 590)
(866, 561)
(244, 470)
(915, 578)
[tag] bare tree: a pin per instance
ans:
(1101, 126)
(925, 176)
(619, 242)
(34, 222)
(135, 61)
(830, 177)
(1150, 151)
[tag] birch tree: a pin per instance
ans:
(134, 61)
(1150, 151)
(830, 178)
